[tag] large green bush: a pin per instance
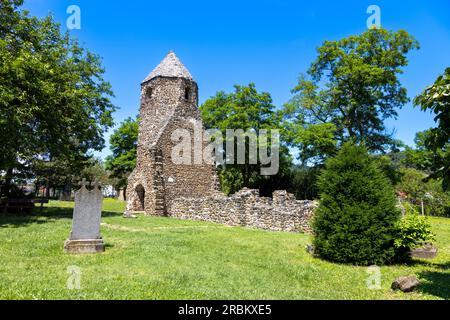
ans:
(356, 221)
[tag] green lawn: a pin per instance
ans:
(165, 258)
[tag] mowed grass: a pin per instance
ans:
(166, 258)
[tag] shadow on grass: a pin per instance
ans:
(108, 245)
(428, 263)
(48, 214)
(435, 283)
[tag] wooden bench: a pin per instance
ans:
(41, 201)
(20, 205)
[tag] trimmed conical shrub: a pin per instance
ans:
(356, 220)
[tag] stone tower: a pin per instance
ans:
(169, 99)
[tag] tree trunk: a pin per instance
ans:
(67, 191)
(8, 182)
(47, 189)
(36, 189)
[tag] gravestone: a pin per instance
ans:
(121, 196)
(427, 252)
(85, 236)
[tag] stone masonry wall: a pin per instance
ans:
(246, 208)
(167, 104)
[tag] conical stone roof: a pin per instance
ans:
(170, 67)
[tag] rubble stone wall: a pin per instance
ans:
(246, 208)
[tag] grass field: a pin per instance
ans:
(165, 258)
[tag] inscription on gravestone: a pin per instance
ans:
(85, 236)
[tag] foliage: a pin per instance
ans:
(54, 100)
(315, 142)
(123, 144)
(95, 171)
(245, 109)
(436, 98)
(304, 182)
(421, 157)
(427, 158)
(56, 173)
(348, 92)
(61, 175)
(231, 180)
(412, 183)
(437, 201)
(413, 230)
(390, 165)
(418, 188)
(424, 181)
(356, 220)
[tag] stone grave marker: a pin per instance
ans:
(85, 236)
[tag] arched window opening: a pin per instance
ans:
(149, 92)
(141, 197)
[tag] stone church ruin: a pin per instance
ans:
(159, 186)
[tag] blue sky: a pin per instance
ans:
(237, 42)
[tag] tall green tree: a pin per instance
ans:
(245, 109)
(56, 173)
(123, 144)
(436, 98)
(54, 101)
(347, 93)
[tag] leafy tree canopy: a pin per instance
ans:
(347, 93)
(245, 109)
(436, 98)
(53, 98)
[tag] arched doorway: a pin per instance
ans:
(140, 191)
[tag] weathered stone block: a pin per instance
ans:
(405, 284)
(84, 246)
(426, 252)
